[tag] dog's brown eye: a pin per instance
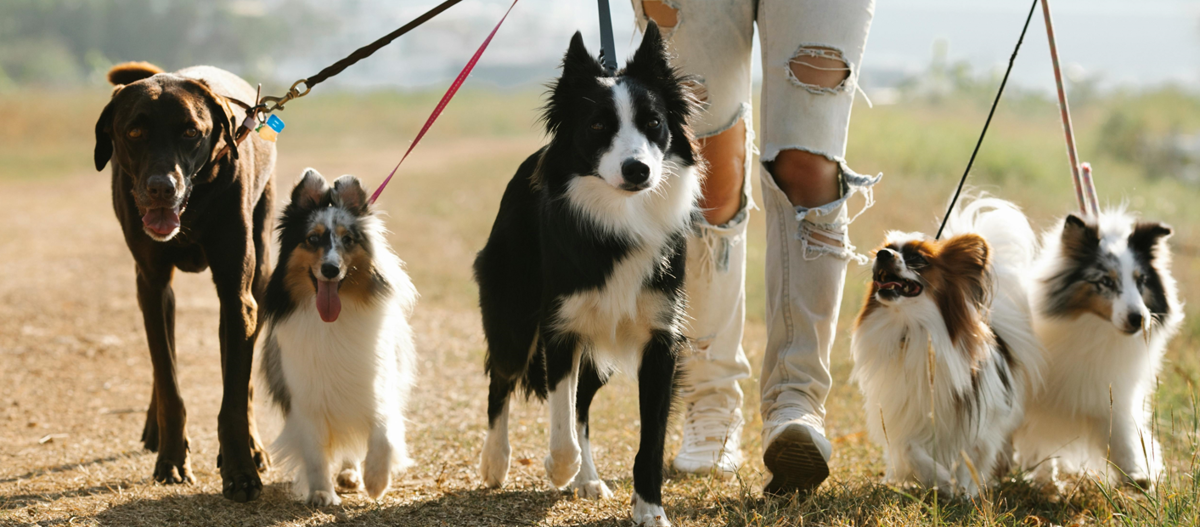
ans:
(135, 133)
(346, 240)
(314, 239)
(598, 126)
(654, 123)
(191, 133)
(1107, 283)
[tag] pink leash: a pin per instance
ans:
(1085, 190)
(437, 111)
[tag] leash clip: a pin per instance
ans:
(270, 104)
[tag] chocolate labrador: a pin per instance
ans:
(185, 202)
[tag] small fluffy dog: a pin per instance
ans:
(583, 272)
(338, 357)
(1105, 308)
(944, 348)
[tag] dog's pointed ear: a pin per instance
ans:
(311, 191)
(1078, 236)
(1147, 236)
(104, 141)
(349, 194)
(578, 62)
(650, 62)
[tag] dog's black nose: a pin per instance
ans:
(885, 255)
(159, 187)
(330, 271)
(1136, 320)
(635, 172)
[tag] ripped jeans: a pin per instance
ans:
(805, 44)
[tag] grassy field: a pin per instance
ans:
(75, 373)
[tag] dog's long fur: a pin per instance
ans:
(342, 385)
(184, 206)
(583, 272)
(1105, 308)
(957, 311)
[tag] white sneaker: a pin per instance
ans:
(795, 452)
(712, 439)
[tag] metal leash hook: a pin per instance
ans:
(608, 53)
(269, 104)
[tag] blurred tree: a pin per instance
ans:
(56, 42)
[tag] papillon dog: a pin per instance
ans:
(583, 272)
(944, 348)
(1105, 307)
(338, 358)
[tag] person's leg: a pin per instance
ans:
(712, 41)
(811, 53)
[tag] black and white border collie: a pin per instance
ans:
(583, 272)
(944, 348)
(338, 359)
(1106, 306)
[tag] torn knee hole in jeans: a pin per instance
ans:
(819, 69)
(662, 12)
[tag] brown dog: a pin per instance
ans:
(183, 204)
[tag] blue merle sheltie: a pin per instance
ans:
(1105, 307)
(338, 359)
(583, 272)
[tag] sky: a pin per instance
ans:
(1118, 43)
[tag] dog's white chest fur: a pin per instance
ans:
(617, 317)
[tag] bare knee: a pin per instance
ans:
(662, 13)
(819, 69)
(725, 153)
(809, 180)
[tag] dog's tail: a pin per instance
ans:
(130, 72)
(1005, 227)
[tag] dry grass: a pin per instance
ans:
(75, 375)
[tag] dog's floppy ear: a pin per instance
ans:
(311, 191)
(104, 141)
(1147, 236)
(221, 115)
(349, 194)
(966, 258)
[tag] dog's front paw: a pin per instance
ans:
(493, 467)
(349, 480)
(648, 514)
(324, 498)
(170, 472)
(593, 489)
(241, 486)
(561, 466)
(376, 479)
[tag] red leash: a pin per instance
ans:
(1084, 188)
(437, 111)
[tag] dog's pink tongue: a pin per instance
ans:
(162, 220)
(329, 305)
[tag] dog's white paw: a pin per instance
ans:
(349, 480)
(376, 479)
(647, 514)
(592, 489)
(324, 498)
(493, 464)
(561, 466)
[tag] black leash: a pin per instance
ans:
(359, 54)
(608, 50)
(996, 102)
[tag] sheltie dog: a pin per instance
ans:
(1105, 307)
(944, 348)
(338, 357)
(583, 272)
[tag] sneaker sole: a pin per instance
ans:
(796, 464)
